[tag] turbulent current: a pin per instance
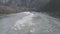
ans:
(29, 23)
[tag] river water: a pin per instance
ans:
(29, 23)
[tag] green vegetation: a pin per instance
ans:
(53, 8)
(0, 3)
(1, 13)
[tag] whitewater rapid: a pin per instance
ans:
(29, 23)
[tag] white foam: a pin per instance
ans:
(24, 20)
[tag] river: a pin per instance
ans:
(29, 23)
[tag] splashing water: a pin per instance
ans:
(25, 19)
(29, 23)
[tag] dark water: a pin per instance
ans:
(29, 23)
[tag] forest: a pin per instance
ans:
(52, 7)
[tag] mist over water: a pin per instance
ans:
(29, 23)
